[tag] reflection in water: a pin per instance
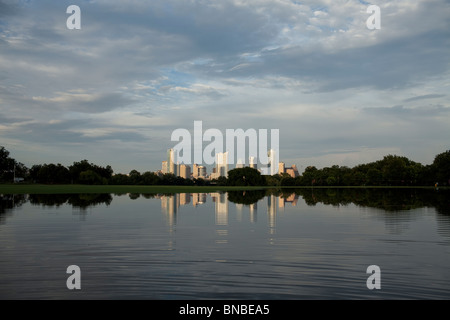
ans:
(309, 243)
(396, 205)
(8, 202)
(169, 207)
(221, 206)
(271, 212)
(80, 202)
(253, 208)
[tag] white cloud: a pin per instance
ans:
(140, 69)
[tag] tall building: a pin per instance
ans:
(185, 171)
(198, 171)
(195, 171)
(281, 168)
(165, 168)
(240, 163)
(171, 165)
(273, 163)
(252, 162)
(222, 164)
(202, 172)
(292, 171)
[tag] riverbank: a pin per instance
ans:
(70, 189)
(73, 189)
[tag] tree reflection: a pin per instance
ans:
(246, 197)
(391, 200)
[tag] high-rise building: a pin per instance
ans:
(195, 171)
(198, 171)
(222, 164)
(202, 172)
(281, 168)
(171, 165)
(273, 163)
(252, 162)
(185, 171)
(292, 171)
(165, 168)
(239, 164)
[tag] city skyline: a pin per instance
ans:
(222, 166)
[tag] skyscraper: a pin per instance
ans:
(185, 171)
(202, 172)
(195, 171)
(222, 164)
(165, 168)
(281, 167)
(171, 166)
(252, 162)
(273, 162)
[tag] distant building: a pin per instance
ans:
(195, 171)
(239, 164)
(252, 162)
(185, 171)
(273, 164)
(292, 171)
(164, 167)
(198, 171)
(281, 168)
(221, 166)
(171, 161)
(202, 172)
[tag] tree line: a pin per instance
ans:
(392, 170)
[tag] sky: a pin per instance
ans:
(113, 91)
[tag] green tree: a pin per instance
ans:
(135, 177)
(105, 173)
(90, 177)
(310, 176)
(441, 167)
(150, 178)
(10, 167)
(287, 181)
(120, 179)
(245, 177)
(374, 177)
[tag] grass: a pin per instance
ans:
(71, 189)
(76, 189)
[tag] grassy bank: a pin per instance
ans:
(71, 189)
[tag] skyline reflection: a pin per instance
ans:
(170, 206)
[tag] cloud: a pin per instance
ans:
(138, 70)
(85, 102)
(8, 8)
(424, 97)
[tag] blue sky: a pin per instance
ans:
(114, 91)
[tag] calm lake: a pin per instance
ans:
(280, 244)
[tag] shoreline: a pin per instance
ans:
(71, 189)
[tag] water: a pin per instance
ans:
(311, 244)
